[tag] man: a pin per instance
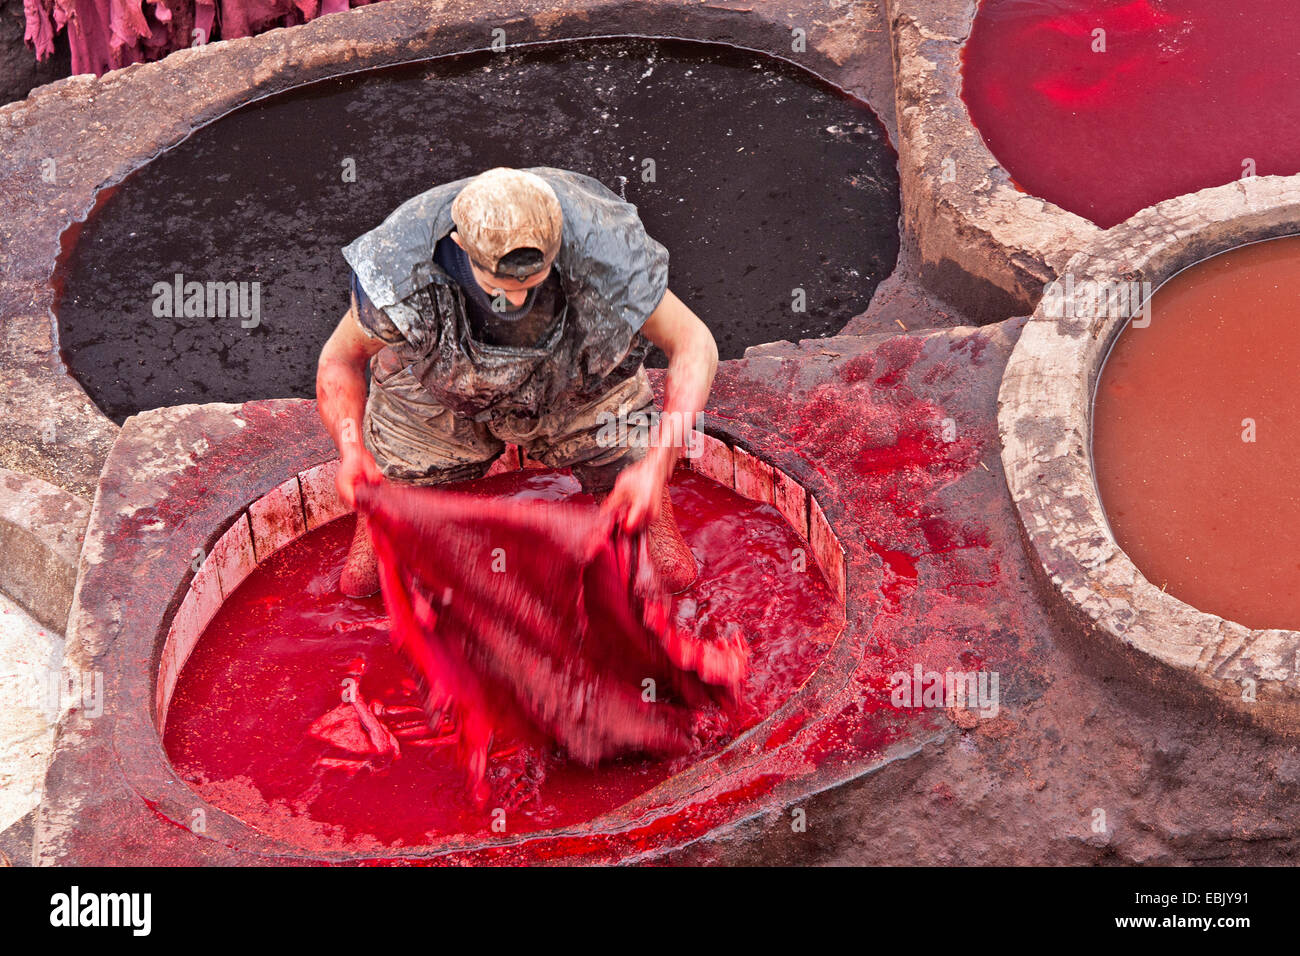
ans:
(514, 306)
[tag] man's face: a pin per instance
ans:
(515, 290)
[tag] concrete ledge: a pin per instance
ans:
(1045, 424)
(41, 529)
(157, 510)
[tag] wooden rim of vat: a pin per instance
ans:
(308, 500)
(1045, 424)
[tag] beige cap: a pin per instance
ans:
(504, 209)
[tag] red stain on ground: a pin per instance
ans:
(936, 574)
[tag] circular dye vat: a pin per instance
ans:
(759, 178)
(1105, 107)
(1196, 437)
(256, 725)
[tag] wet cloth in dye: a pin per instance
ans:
(540, 621)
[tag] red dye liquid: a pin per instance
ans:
(1202, 511)
(258, 725)
(1185, 94)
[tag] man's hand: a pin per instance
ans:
(356, 467)
(637, 495)
(692, 359)
(341, 403)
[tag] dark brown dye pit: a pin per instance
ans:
(766, 180)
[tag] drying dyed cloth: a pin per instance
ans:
(104, 35)
(540, 621)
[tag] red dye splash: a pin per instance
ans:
(899, 575)
(1195, 431)
(904, 433)
(1187, 94)
(259, 723)
(540, 620)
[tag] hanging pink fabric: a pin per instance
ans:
(105, 35)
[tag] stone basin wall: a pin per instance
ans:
(1045, 420)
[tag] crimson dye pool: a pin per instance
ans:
(1196, 432)
(758, 177)
(1186, 94)
(259, 727)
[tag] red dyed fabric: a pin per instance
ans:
(108, 34)
(539, 620)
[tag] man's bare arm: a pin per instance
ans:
(692, 362)
(341, 400)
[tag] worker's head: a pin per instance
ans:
(509, 223)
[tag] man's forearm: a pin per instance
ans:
(686, 391)
(341, 402)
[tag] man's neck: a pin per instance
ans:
(456, 262)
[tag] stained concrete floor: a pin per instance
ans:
(29, 712)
